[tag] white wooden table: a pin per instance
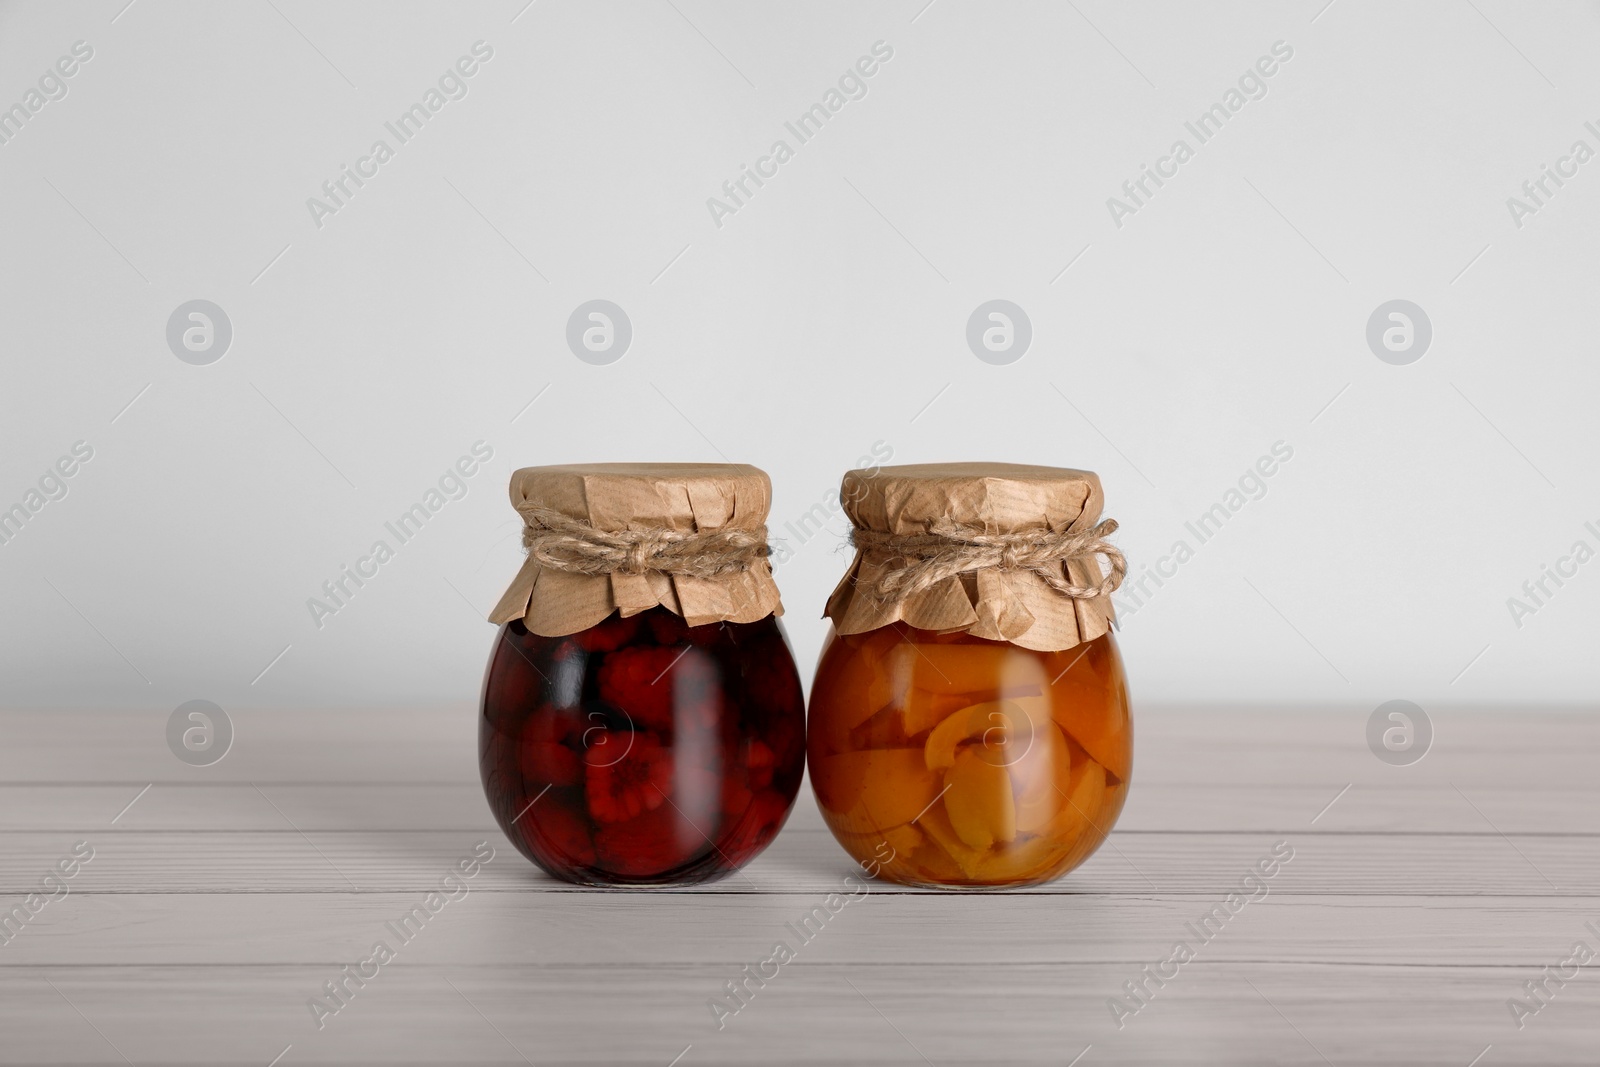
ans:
(223, 899)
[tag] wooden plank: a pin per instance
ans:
(816, 1010)
(876, 925)
(810, 861)
(1520, 806)
(89, 809)
(412, 745)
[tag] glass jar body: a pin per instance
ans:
(642, 751)
(978, 763)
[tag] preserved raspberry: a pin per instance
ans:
(563, 834)
(735, 798)
(772, 683)
(697, 795)
(549, 763)
(698, 693)
(786, 735)
(711, 633)
(759, 762)
(667, 627)
(761, 822)
(555, 725)
(651, 845)
(627, 775)
(639, 681)
(612, 633)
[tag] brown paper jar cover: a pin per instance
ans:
(683, 497)
(1016, 606)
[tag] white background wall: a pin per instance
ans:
(829, 313)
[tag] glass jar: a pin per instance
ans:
(978, 762)
(640, 749)
(934, 728)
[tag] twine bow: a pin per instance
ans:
(949, 549)
(577, 546)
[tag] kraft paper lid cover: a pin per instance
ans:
(1016, 606)
(679, 497)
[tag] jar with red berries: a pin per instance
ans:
(642, 719)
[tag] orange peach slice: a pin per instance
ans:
(903, 839)
(1005, 727)
(1111, 804)
(1030, 860)
(1092, 707)
(979, 803)
(872, 790)
(882, 729)
(871, 675)
(1063, 842)
(941, 833)
(1042, 779)
(1085, 797)
(929, 864)
(842, 780)
(1104, 737)
(883, 847)
(924, 709)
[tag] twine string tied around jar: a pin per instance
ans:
(949, 549)
(577, 546)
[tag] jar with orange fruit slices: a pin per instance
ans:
(970, 707)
